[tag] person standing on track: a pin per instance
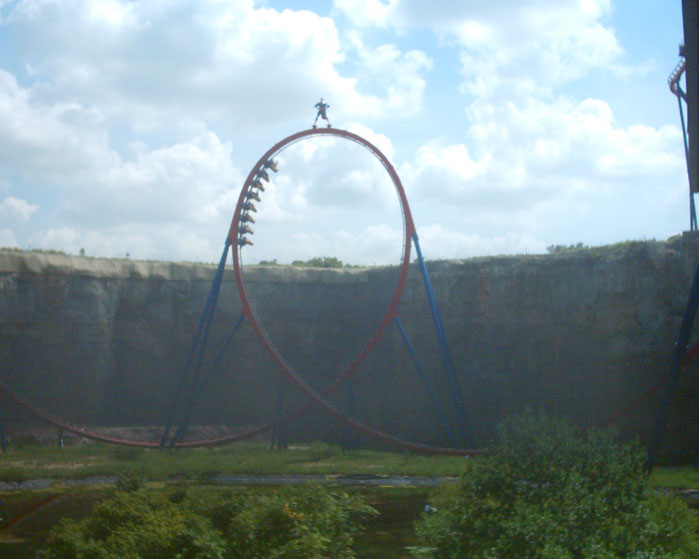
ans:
(322, 108)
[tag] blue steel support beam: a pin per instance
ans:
(444, 347)
(675, 371)
(197, 390)
(426, 381)
(198, 341)
(3, 442)
(692, 207)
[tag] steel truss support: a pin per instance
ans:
(675, 371)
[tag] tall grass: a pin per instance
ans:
(33, 461)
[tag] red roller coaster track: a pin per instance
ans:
(319, 397)
(314, 396)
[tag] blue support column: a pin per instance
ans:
(675, 370)
(3, 441)
(350, 437)
(428, 385)
(197, 390)
(456, 395)
(279, 437)
(199, 341)
(692, 207)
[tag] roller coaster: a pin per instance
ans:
(193, 379)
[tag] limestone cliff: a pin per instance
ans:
(579, 333)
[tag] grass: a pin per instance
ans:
(189, 469)
(36, 461)
(40, 461)
(675, 477)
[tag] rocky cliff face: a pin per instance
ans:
(579, 333)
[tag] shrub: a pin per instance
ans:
(130, 479)
(137, 525)
(319, 262)
(545, 492)
(298, 523)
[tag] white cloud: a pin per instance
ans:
(535, 50)
(192, 182)
(541, 166)
(241, 65)
(66, 147)
(365, 13)
(378, 244)
(15, 210)
(131, 122)
(527, 45)
(387, 69)
(8, 239)
(139, 240)
(535, 143)
(53, 141)
(330, 197)
(441, 172)
(381, 141)
(440, 242)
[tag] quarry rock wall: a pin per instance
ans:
(579, 333)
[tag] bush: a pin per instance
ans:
(137, 525)
(319, 262)
(545, 492)
(297, 523)
(130, 480)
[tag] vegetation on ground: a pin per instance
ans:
(293, 523)
(34, 461)
(675, 477)
(543, 490)
(319, 262)
(29, 516)
(315, 262)
(26, 461)
(558, 249)
(546, 491)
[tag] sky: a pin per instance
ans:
(129, 127)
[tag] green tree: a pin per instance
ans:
(137, 525)
(307, 522)
(548, 492)
(319, 262)
(297, 523)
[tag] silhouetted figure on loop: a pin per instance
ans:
(322, 108)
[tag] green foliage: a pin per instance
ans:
(130, 480)
(545, 492)
(319, 262)
(137, 525)
(272, 262)
(298, 523)
(558, 249)
(675, 477)
(127, 453)
(34, 461)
